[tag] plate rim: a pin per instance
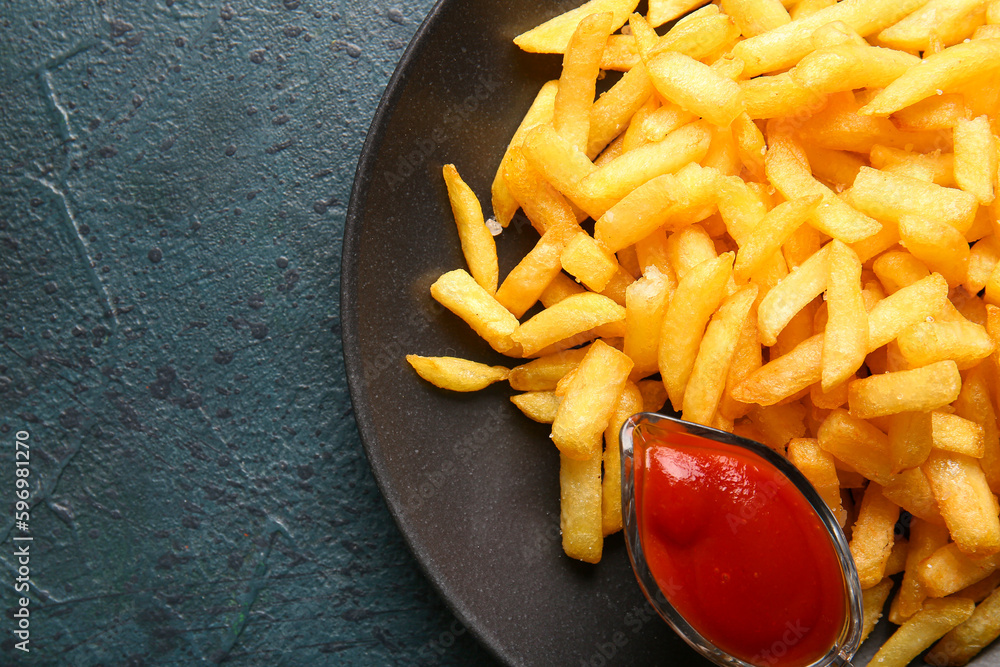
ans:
(349, 325)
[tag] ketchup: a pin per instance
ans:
(737, 549)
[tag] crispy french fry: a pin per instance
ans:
(611, 113)
(662, 11)
(921, 630)
(539, 406)
(858, 444)
(696, 87)
(886, 196)
(715, 354)
(912, 492)
(911, 437)
(818, 467)
(927, 343)
(941, 247)
(846, 343)
(872, 535)
(791, 295)
(461, 294)
(629, 403)
(976, 158)
(943, 21)
(527, 281)
(542, 204)
(543, 373)
(850, 66)
(873, 601)
(783, 377)
(966, 640)
(590, 401)
(478, 246)
(580, 507)
(773, 231)
(645, 305)
(925, 539)
(584, 259)
(974, 403)
(564, 166)
(456, 374)
(554, 35)
(954, 66)
(778, 96)
(578, 81)
(948, 570)
(754, 17)
(967, 504)
(927, 388)
(573, 315)
(698, 295)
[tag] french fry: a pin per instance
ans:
(983, 258)
(911, 437)
(773, 231)
(578, 81)
(573, 315)
(933, 167)
(899, 269)
(785, 45)
(778, 96)
(700, 35)
(629, 403)
(456, 374)
(554, 35)
(542, 204)
(698, 295)
(461, 294)
(872, 602)
(696, 87)
(715, 354)
(818, 467)
(940, 112)
(662, 11)
(886, 196)
(921, 630)
(584, 259)
(526, 282)
(927, 388)
(941, 247)
(846, 343)
(746, 360)
(544, 373)
(967, 504)
(618, 178)
(645, 305)
(952, 433)
(580, 518)
(791, 295)
(872, 535)
(613, 110)
(912, 492)
(925, 539)
(927, 343)
(850, 66)
(944, 21)
(539, 406)
(754, 17)
(858, 444)
(952, 67)
(976, 158)
(966, 640)
(642, 212)
(948, 570)
(782, 377)
(478, 245)
(590, 401)
(564, 167)
(540, 113)
(974, 403)
(790, 174)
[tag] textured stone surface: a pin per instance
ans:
(175, 176)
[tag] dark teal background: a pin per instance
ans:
(174, 178)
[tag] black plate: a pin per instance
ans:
(472, 484)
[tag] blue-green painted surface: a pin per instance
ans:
(174, 177)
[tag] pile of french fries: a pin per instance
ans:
(795, 238)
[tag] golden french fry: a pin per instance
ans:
(782, 377)
(887, 196)
(456, 374)
(944, 22)
(461, 294)
(952, 433)
(629, 403)
(573, 315)
(927, 388)
(715, 354)
(926, 343)
(544, 373)
(539, 406)
(935, 167)
(967, 504)
(696, 87)
(925, 539)
(965, 641)
(818, 467)
(478, 246)
(921, 630)
(974, 403)
(554, 35)
(578, 81)
(785, 45)
(851, 66)
(620, 54)
(700, 35)
(954, 66)
(983, 258)
(542, 204)
(580, 507)
(746, 360)
(585, 260)
(872, 535)
(940, 112)
(912, 492)
(872, 602)
(778, 96)
(564, 166)
(858, 444)
(590, 401)
(976, 158)
(662, 11)
(791, 295)
(540, 112)
(645, 305)
(941, 247)
(948, 570)
(776, 228)
(846, 343)
(698, 295)
(527, 281)
(611, 113)
(754, 17)
(911, 437)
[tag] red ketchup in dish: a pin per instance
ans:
(739, 552)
